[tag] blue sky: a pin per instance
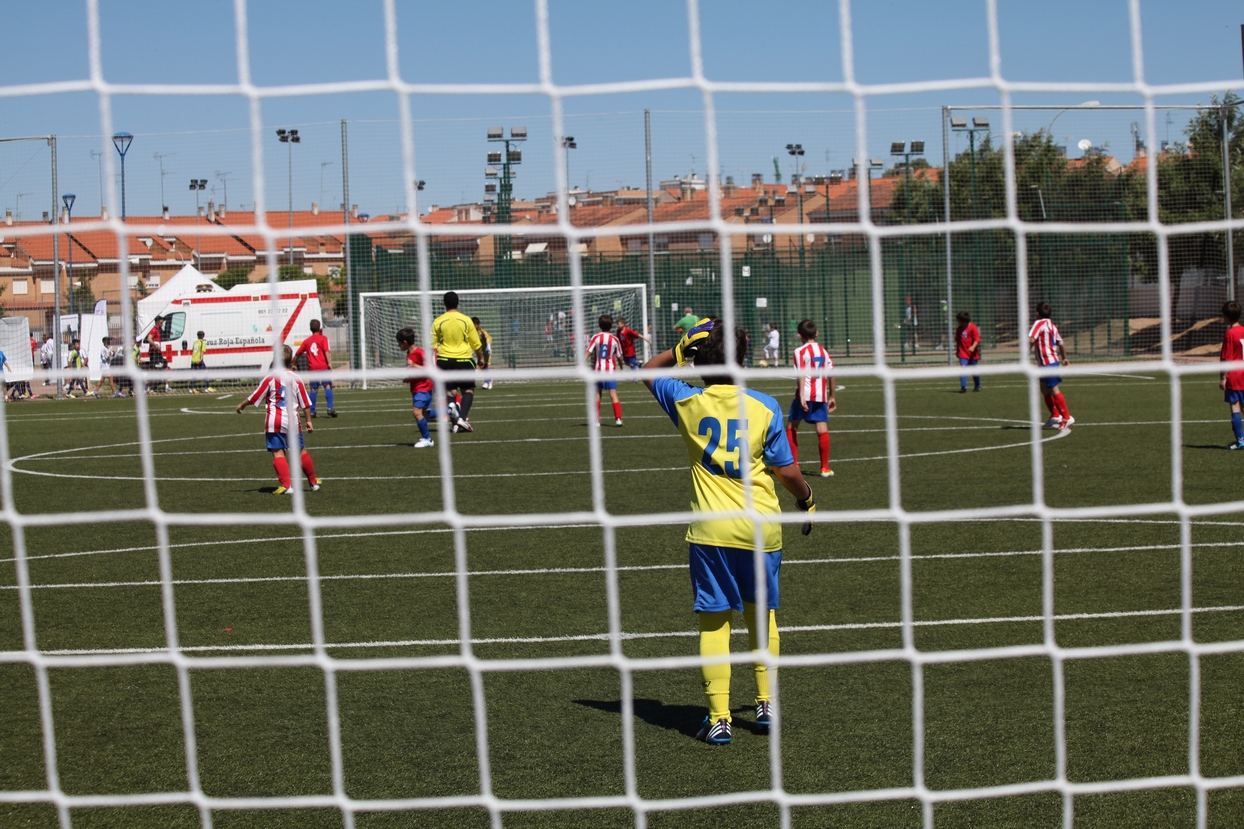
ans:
(592, 41)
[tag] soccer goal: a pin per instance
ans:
(530, 327)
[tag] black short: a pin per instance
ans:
(447, 364)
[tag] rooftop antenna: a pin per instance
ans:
(224, 181)
(160, 158)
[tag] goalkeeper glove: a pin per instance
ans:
(808, 506)
(690, 343)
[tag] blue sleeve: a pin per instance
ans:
(668, 391)
(777, 447)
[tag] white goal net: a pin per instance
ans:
(991, 624)
(529, 327)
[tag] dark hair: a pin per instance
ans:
(605, 322)
(288, 354)
(476, 321)
(712, 352)
(450, 300)
(406, 336)
(106, 340)
(1231, 310)
(807, 329)
(315, 327)
(1043, 310)
(201, 335)
(621, 320)
(964, 317)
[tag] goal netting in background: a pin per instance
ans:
(1006, 224)
(530, 327)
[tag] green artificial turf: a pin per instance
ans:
(392, 587)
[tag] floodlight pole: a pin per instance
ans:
(906, 155)
(122, 141)
(1226, 189)
(652, 256)
(950, 305)
(345, 210)
(197, 185)
(290, 138)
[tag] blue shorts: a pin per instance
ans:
(633, 362)
(1233, 396)
(421, 400)
(1051, 382)
(606, 385)
(315, 384)
(964, 361)
(722, 578)
(276, 441)
(817, 412)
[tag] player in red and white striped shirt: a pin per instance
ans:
(1047, 344)
(814, 394)
(604, 352)
(284, 397)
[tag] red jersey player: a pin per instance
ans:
(1047, 344)
(627, 336)
(814, 394)
(968, 343)
(318, 360)
(604, 352)
(421, 385)
(284, 397)
(1232, 382)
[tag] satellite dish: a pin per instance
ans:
(767, 238)
(1085, 145)
(811, 237)
(572, 201)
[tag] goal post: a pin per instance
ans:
(530, 327)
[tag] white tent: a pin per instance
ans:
(186, 281)
(15, 343)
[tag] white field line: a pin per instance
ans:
(542, 571)
(63, 454)
(606, 637)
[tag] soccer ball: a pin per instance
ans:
(764, 363)
(453, 412)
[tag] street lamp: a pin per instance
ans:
(198, 185)
(568, 144)
(68, 199)
(122, 142)
(290, 138)
(505, 191)
(960, 124)
(795, 151)
(418, 185)
(1049, 130)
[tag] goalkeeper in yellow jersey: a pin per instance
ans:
(733, 437)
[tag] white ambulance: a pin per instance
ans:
(239, 324)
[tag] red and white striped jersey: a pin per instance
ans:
(606, 350)
(1045, 334)
(273, 391)
(812, 357)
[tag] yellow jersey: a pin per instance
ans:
(720, 447)
(454, 336)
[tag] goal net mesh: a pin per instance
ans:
(884, 292)
(529, 327)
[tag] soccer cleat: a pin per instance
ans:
(827, 472)
(976, 388)
(209, 390)
(1052, 423)
(714, 733)
(1239, 444)
(764, 715)
(118, 394)
(281, 490)
(463, 425)
(194, 391)
(313, 414)
(963, 390)
(423, 443)
(332, 412)
(617, 421)
(1066, 424)
(315, 487)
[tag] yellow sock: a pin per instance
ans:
(715, 641)
(753, 642)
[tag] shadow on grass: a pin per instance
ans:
(685, 719)
(1218, 446)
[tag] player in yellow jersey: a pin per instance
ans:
(456, 341)
(197, 352)
(736, 446)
